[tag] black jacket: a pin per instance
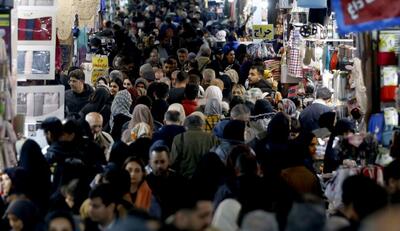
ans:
(74, 102)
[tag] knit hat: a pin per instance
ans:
(146, 68)
(143, 81)
(234, 130)
(149, 75)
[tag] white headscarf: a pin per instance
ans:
(121, 105)
(226, 215)
(179, 108)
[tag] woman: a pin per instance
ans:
(98, 102)
(229, 61)
(33, 161)
(116, 85)
(141, 113)
(120, 113)
(309, 143)
(213, 113)
(22, 215)
(127, 83)
(60, 221)
(214, 92)
(140, 194)
(238, 90)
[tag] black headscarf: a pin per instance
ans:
(19, 181)
(327, 120)
(262, 106)
(98, 99)
(26, 212)
(278, 128)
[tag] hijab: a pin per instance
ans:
(26, 211)
(213, 92)
(226, 215)
(97, 101)
(262, 106)
(213, 107)
(289, 107)
(179, 108)
(121, 105)
(278, 129)
(141, 113)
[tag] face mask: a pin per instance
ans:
(355, 113)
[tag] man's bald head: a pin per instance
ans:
(95, 121)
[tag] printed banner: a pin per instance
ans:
(365, 15)
(264, 32)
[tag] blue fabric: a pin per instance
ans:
(367, 26)
(376, 125)
(312, 3)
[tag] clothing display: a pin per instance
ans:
(35, 29)
(33, 62)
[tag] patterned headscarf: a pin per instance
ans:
(121, 105)
(289, 107)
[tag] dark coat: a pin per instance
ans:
(74, 102)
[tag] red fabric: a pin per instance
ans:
(190, 106)
(388, 93)
(334, 61)
(39, 28)
(386, 58)
(58, 54)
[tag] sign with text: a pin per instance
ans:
(100, 67)
(365, 15)
(263, 32)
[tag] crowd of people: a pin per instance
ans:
(188, 133)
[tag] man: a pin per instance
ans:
(391, 175)
(102, 206)
(309, 117)
(78, 96)
(160, 104)
(169, 67)
(103, 139)
(190, 102)
(165, 184)
(177, 94)
(256, 79)
(204, 58)
(190, 146)
(194, 215)
(182, 57)
(172, 127)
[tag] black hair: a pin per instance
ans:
(191, 91)
(106, 192)
(119, 82)
(182, 76)
(118, 178)
(235, 101)
(161, 90)
(78, 74)
(259, 68)
(145, 100)
(392, 171)
(52, 125)
(137, 160)
(59, 214)
(161, 148)
(364, 195)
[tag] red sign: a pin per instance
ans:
(361, 15)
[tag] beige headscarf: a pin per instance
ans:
(141, 113)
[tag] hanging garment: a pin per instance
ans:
(8, 156)
(294, 58)
(340, 83)
(358, 84)
(33, 62)
(334, 61)
(35, 29)
(388, 93)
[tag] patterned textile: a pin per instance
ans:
(121, 105)
(293, 56)
(35, 29)
(211, 121)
